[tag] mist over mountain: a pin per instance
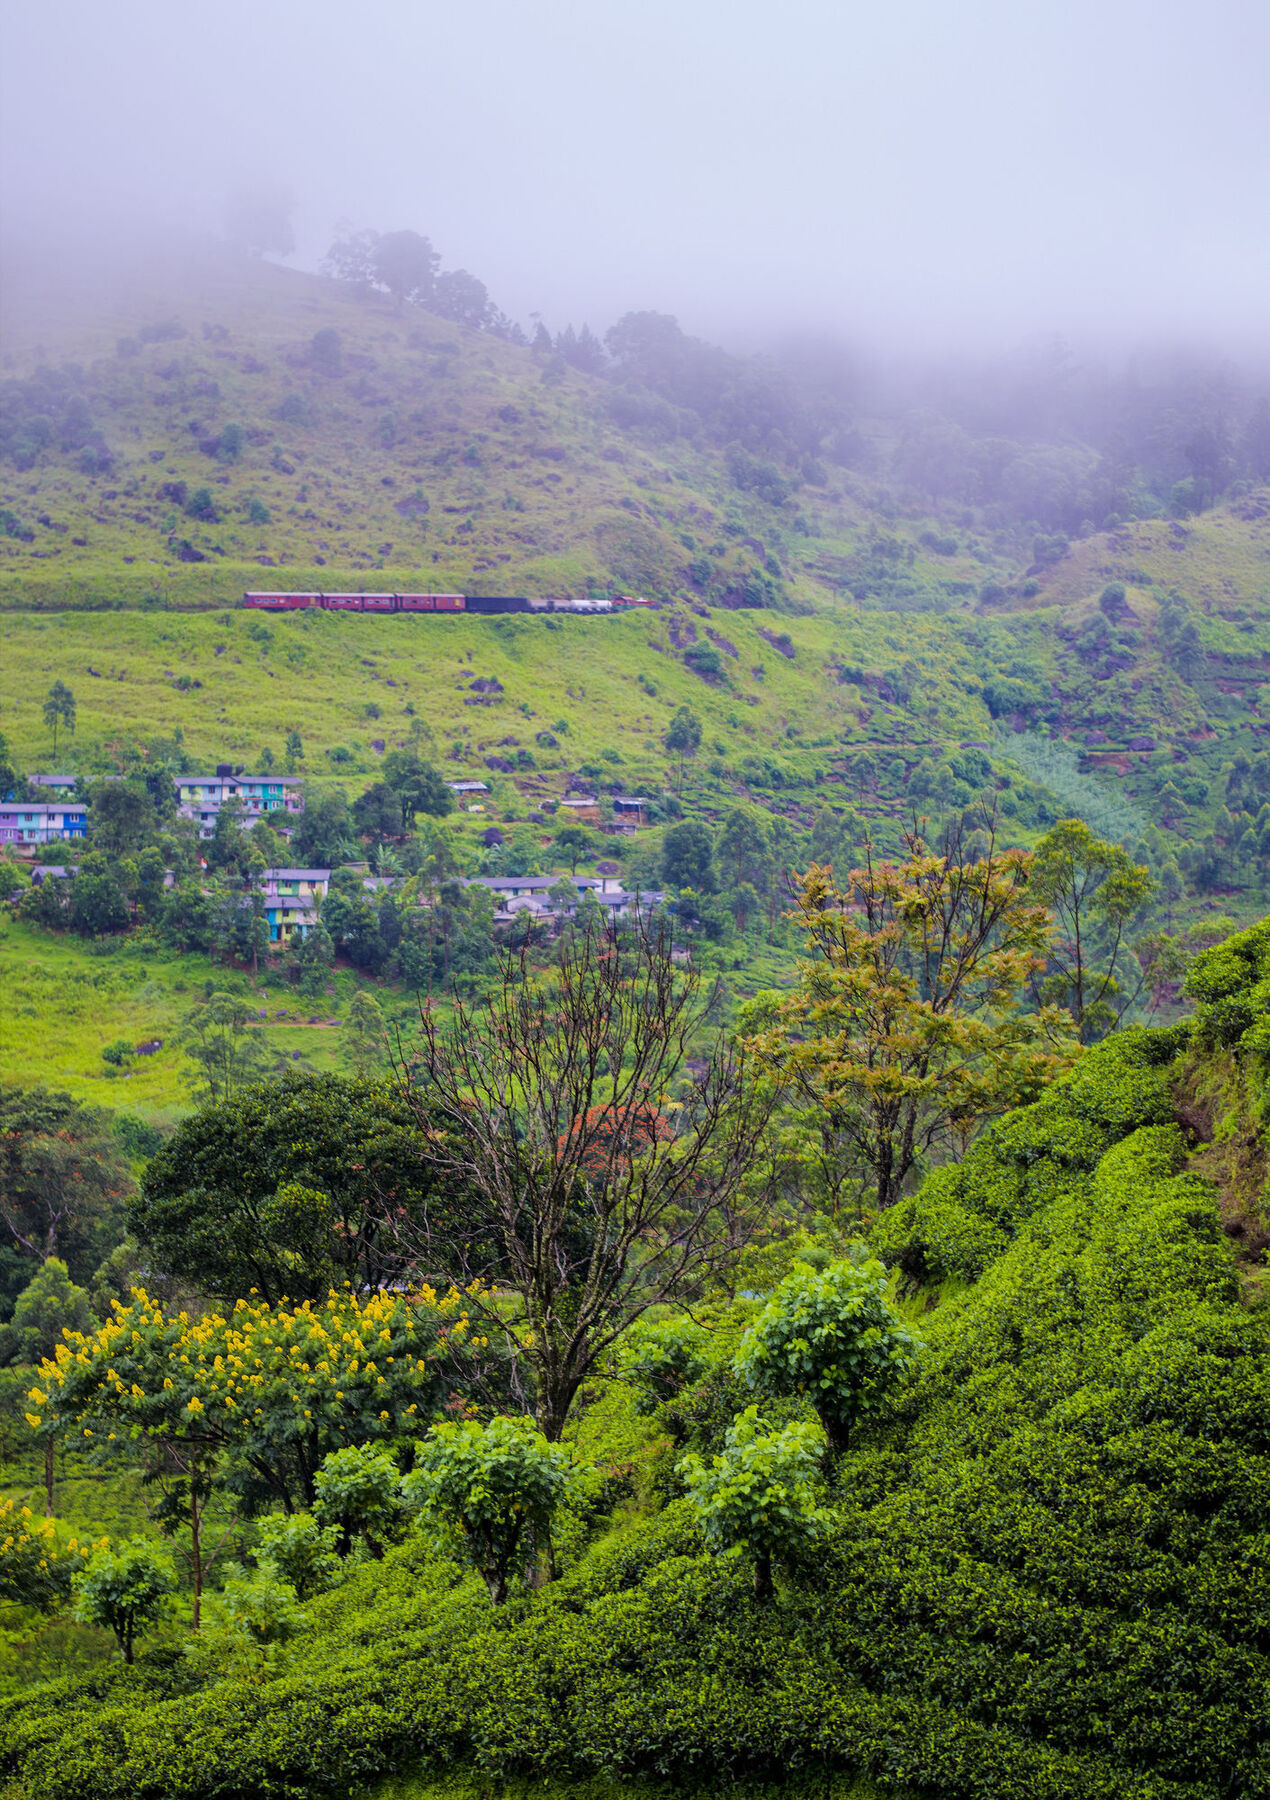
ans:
(923, 177)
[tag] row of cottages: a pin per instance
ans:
(200, 797)
(293, 897)
(29, 822)
(516, 895)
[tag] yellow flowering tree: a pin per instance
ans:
(38, 1560)
(251, 1400)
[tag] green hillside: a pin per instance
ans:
(858, 641)
(1037, 1572)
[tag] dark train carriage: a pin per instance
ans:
(496, 603)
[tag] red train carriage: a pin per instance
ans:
(371, 603)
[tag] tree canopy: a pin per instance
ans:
(292, 1187)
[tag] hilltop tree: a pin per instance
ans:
(906, 1026)
(405, 263)
(544, 1105)
(1096, 891)
(461, 297)
(59, 710)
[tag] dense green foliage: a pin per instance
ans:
(125, 1589)
(1043, 1574)
(287, 1190)
(831, 1335)
(495, 1488)
(759, 1493)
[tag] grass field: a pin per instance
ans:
(345, 682)
(62, 1001)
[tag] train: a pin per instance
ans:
(426, 603)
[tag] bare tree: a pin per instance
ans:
(598, 1193)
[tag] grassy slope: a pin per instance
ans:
(529, 487)
(61, 1003)
(544, 494)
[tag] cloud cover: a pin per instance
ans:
(924, 170)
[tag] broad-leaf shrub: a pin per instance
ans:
(493, 1488)
(356, 1491)
(250, 1627)
(126, 1588)
(832, 1335)
(294, 1549)
(661, 1358)
(759, 1496)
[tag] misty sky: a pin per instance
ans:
(953, 170)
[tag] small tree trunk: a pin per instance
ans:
(764, 1590)
(48, 1477)
(196, 1557)
(496, 1582)
(837, 1432)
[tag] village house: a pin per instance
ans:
(531, 894)
(26, 822)
(200, 797)
(292, 899)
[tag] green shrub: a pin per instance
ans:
(831, 1335)
(759, 1495)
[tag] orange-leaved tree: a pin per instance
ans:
(907, 1026)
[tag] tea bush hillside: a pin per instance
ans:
(1041, 1572)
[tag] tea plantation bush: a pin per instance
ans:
(1045, 1576)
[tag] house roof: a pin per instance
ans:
(27, 807)
(297, 875)
(500, 884)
